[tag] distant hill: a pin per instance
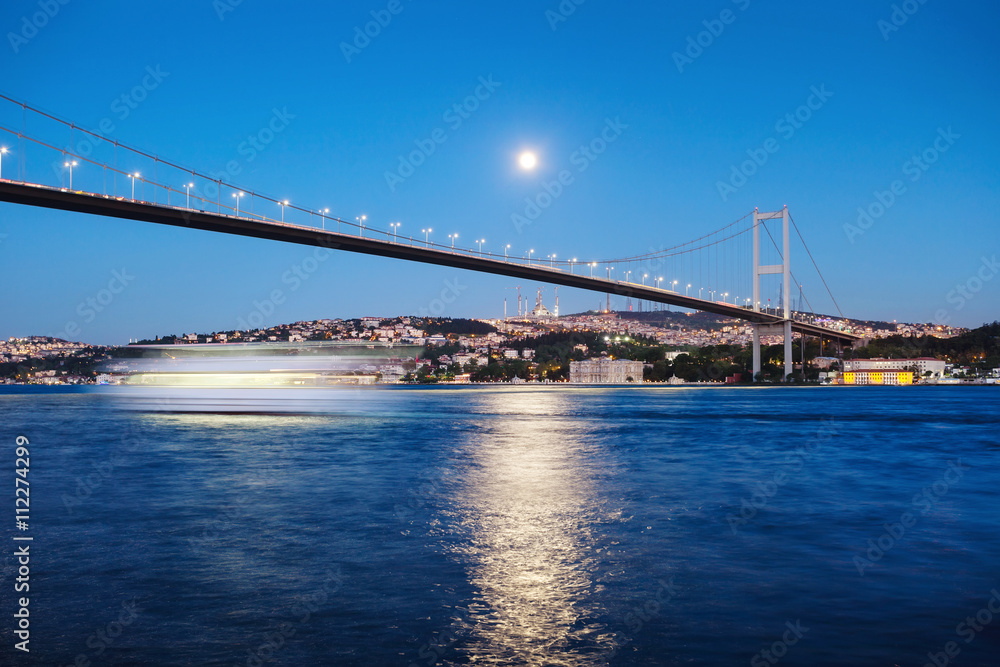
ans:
(978, 347)
(460, 326)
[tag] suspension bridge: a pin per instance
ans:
(108, 174)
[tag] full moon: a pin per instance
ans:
(528, 160)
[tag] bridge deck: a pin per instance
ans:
(118, 207)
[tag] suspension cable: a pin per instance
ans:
(792, 275)
(815, 265)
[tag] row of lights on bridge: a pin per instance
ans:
(395, 231)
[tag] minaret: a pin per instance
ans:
(556, 311)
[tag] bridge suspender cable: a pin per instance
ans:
(815, 265)
(794, 279)
(703, 246)
(667, 252)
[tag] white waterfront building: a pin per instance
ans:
(922, 364)
(605, 371)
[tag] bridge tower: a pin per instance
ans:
(785, 268)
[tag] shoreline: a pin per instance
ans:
(27, 389)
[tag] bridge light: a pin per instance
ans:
(3, 149)
(70, 164)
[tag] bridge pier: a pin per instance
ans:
(786, 272)
(783, 328)
(756, 351)
(802, 353)
(788, 349)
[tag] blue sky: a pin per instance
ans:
(888, 95)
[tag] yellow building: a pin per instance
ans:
(890, 377)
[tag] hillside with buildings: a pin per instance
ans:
(659, 346)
